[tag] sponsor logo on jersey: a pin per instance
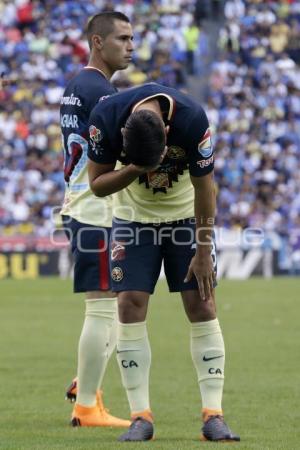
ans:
(95, 134)
(71, 100)
(117, 274)
(205, 146)
(205, 162)
(117, 251)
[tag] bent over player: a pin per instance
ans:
(87, 219)
(164, 211)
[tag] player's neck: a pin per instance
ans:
(99, 65)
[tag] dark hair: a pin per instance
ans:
(103, 24)
(144, 138)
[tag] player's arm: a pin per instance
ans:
(104, 180)
(205, 204)
(201, 166)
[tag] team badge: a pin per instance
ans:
(95, 134)
(205, 146)
(175, 152)
(117, 251)
(158, 180)
(117, 274)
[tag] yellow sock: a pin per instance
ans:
(134, 358)
(208, 353)
(93, 348)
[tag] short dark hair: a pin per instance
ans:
(103, 24)
(144, 138)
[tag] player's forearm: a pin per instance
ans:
(114, 181)
(205, 219)
(205, 209)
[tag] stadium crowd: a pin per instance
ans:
(253, 100)
(254, 104)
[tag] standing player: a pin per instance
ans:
(162, 138)
(87, 219)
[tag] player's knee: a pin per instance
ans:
(202, 311)
(132, 307)
(196, 309)
(206, 311)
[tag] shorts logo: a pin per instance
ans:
(205, 146)
(117, 251)
(117, 274)
(95, 134)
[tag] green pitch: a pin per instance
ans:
(40, 322)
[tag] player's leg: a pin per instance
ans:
(134, 358)
(207, 345)
(71, 393)
(135, 268)
(91, 275)
(207, 349)
(208, 354)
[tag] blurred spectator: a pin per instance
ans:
(191, 35)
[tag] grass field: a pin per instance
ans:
(40, 323)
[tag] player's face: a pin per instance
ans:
(118, 46)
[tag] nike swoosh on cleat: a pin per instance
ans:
(213, 357)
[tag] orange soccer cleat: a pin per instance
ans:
(95, 416)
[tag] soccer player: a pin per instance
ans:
(87, 219)
(164, 210)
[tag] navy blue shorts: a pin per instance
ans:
(90, 253)
(137, 252)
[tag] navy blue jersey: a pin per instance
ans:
(188, 141)
(81, 95)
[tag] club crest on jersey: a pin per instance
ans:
(175, 152)
(95, 134)
(158, 180)
(117, 274)
(205, 146)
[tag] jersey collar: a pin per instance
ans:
(98, 70)
(168, 97)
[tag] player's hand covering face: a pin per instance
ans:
(144, 169)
